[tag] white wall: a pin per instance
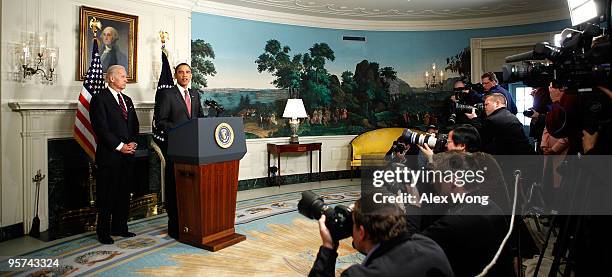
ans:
(60, 20)
(39, 112)
(335, 152)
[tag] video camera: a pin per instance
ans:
(477, 87)
(578, 63)
(338, 219)
(579, 59)
(466, 96)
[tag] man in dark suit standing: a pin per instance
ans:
(116, 126)
(174, 106)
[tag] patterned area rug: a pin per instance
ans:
(280, 242)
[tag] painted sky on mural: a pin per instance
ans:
(237, 44)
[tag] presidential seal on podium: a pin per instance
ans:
(224, 135)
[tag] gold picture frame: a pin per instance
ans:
(117, 44)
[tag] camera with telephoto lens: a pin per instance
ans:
(419, 138)
(338, 219)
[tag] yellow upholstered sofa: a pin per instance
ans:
(372, 145)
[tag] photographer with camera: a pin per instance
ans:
(380, 232)
(462, 138)
(490, 83)
(465, 94)
(501, 132)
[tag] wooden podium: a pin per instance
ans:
(207, 153)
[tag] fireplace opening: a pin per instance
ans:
(72, 187)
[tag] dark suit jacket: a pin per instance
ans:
(110, 127)
(502, 134)
(170, 110)
(404, 255)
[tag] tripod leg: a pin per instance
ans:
(560, 247)
(543, 251)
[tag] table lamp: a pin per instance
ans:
(294, 110)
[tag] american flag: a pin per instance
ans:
(94, 82)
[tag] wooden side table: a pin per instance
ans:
(277, 149)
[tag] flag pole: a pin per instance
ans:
(163, 36)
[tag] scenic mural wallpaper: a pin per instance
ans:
(349, 86)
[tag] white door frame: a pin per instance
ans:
(477, 45)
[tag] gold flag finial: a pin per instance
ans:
(95, 25)
(163, 36)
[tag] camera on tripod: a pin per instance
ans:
(578, 63)
(338, 219)
(580, 57)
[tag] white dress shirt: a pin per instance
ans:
(117, 95)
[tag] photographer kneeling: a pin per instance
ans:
(390, 250)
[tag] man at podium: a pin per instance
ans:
(173, 107)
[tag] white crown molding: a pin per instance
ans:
(376, 25)
(185, 5)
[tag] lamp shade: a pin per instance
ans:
(294, 109)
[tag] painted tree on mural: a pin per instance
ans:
(347, 86)
(303, 76)
(276, 61)
(364, 94)
(460, 63)
(388, 73)
(316, 79)
(201, 66)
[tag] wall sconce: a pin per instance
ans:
(44, 61)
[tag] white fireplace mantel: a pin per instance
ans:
(41, 121)
(30, 106)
